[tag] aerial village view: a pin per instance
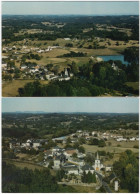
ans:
(91, 149)
(70, 52)
(70, 106)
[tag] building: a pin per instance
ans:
(36, 143)
(70, 168)
(87, 168)
(70, 151)
(97, 165)
(57, 163)
(114, 66)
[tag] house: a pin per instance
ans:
(12, 144)
(36, 143)
(49, 74)
(132, 139)
(41, 51)
(64, 78)
(108, 168)
(70, 168)
(57, 163)
(70, 151)
(48, 153)
(87, 168)
(66, 38)
(28, 142)
(4, 65)
(80, 155)
(56, 149)
(114, 66)
(22, 67)
(121, 139)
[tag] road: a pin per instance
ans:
(104, 184)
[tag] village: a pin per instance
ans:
(72, 161)
(31, 70)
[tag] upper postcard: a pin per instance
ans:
(70, 48)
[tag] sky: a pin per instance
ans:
(73, 7)
(73, 104)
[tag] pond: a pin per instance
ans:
(114, 57)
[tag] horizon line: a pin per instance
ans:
(71, 112)
(71, 14)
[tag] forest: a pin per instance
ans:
(72, 29)
(16, 180)
(29, 125)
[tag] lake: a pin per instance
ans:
(114, 57)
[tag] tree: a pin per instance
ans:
(74, 155)
(88, 178)
(81, 140)
(127, 169)
(60, 174)
(101, 143)
(68, 140)
(51, 164)
(81, 149)
(74, 68)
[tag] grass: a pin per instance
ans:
(83, 189)
(134, 85)
(113, 148)
(10, 88)
(22, 165)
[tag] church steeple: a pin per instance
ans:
(97, 157)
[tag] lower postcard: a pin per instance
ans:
(70, 145)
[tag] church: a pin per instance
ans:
(97, 165)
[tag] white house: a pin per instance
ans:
(23, 66)
(66, 38)
(132, 139)
(36, 144)
(57, 163)
(4, 65)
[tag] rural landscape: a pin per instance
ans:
(70, 55)
(70, 105)
(70, 152)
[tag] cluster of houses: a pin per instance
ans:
(38, 72)
(43, 73)
(62, 158)
(24, 49)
